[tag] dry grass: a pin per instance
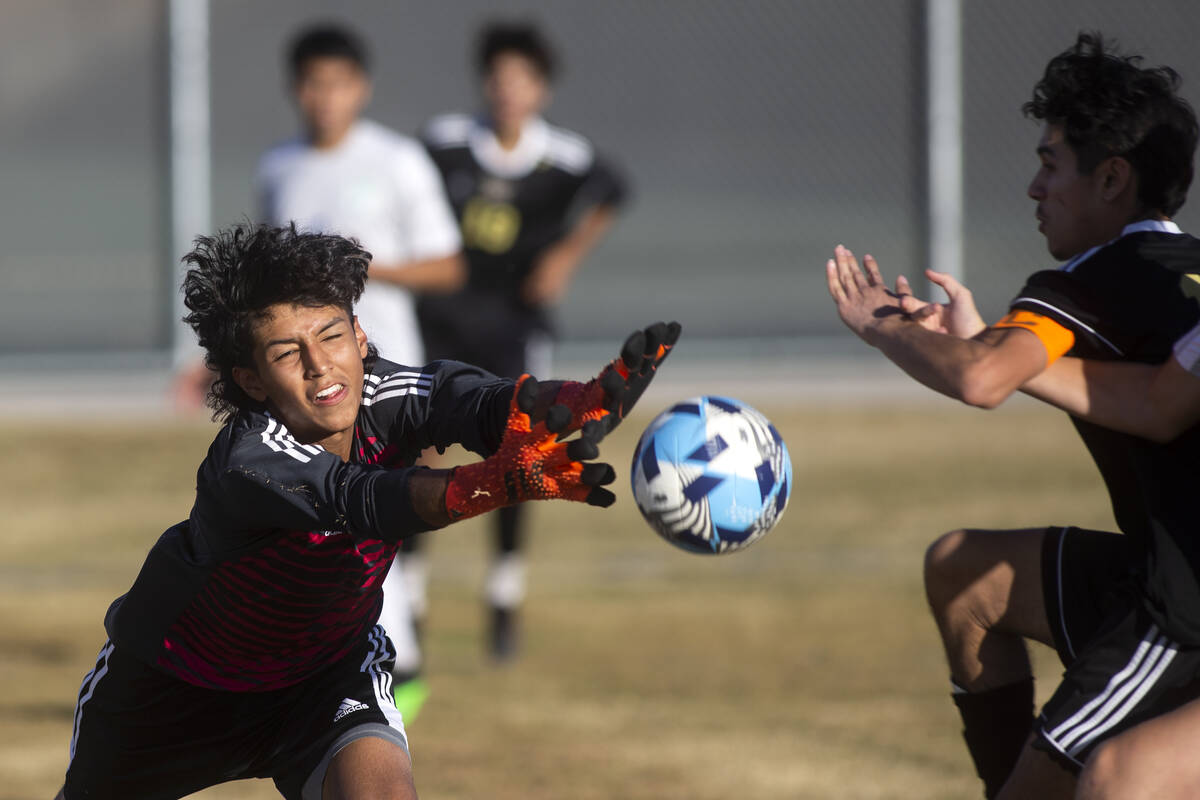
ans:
(805, 667)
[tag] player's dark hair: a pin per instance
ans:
(525, 39)
(1108, 105)
(326, 41)
(238, 273)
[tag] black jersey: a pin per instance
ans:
(512, 205)
(279, 568)
(1130, 300)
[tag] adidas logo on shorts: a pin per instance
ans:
(349, 706)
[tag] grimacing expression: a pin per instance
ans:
(330, 93)
(308, 370)
(1071, 212)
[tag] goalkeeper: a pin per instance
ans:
(247, 646)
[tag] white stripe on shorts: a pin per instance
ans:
(1122, 694)
(381, 678)
(87, 688)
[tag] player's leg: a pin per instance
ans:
(1155, 760)
(985, 591)
(504, 587)
(369, 768)
(398, 618)
(988, 590)
(1038, 775)
(1124, 689)
(345, 736)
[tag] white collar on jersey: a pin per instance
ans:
(1159, 225)
(516, 163)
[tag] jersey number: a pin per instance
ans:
(490, 226)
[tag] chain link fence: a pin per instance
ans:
(755, 135)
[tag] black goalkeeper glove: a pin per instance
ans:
(610, 395)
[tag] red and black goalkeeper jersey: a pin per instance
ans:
(1130, 300)
(279, 568)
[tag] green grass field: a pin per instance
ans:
(804, 667)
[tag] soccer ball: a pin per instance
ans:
(711, 475)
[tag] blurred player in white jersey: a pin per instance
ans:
(354, 177)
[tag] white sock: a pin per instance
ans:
(396, 618)
(505, 585)
(416, 581)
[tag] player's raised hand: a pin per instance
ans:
(531, 464)
(956, 317)
(609, 396)
(862, 298)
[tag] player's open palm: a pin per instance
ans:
(956, 317)
(861, 297)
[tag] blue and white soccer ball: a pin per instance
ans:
(711, 475)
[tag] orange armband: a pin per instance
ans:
(1054, 337)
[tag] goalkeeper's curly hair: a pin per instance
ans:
(238, 273)
(1109, 105)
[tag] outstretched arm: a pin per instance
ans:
(982, 370)
(1156, 402)
(532, 463)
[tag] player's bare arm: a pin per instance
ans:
(548, 281)
(957, 316)
(444, 274)
(981, 371)
(1156, 402)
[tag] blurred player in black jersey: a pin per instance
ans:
(248, 644)
(1123, 612)
(532, 200)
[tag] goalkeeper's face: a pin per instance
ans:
(308, 371)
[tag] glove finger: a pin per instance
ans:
(600, 497)
(613, 384)
(597, 473)
(582, 449)
(594, 429)
(631, 351)
(656, 334)
(526, 394)
(673, 331)
(557, 418)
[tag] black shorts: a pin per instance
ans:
(139, 732)
(1121, 669)
(486, 330)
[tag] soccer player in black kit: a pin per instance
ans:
(248, 644)
(532, 200)
(1123, 611)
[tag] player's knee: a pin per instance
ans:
(942, 584)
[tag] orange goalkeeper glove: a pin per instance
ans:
(531, 464)
(610, 395)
